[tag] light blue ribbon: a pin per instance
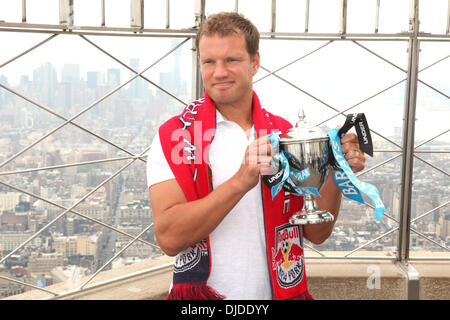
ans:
(347, 181)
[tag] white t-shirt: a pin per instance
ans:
(238, 250)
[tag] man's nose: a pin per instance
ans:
(220, 70)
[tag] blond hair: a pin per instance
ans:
(228, 23)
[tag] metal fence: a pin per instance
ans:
(407, 150)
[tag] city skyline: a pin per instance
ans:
(19, 123)
(433, 111)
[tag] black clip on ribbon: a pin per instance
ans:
(357, 120)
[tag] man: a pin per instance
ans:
(210, 210)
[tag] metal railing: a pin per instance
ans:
(407, 151)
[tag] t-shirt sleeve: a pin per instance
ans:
(158, 169)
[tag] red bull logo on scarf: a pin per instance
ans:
(287, 256)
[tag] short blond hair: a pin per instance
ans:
(227, 23)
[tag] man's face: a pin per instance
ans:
(227, 68)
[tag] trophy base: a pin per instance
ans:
(311, 218)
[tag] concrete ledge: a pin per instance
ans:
(355, 280)
(143, 285)
(328, 279)
(434, 282)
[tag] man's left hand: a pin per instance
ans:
(352, 153)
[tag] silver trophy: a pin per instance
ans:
(307, 146)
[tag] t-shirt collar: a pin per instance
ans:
(219, 117)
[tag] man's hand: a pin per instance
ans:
(256, 161)
(352, 153)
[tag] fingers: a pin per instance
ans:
(349, 138)
(349, 144)
(352, 153)
(256, 162)
(356, 159)
(255, 159)
(261, 146)
(258, 156)
(259, 152)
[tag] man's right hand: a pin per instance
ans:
(256, 161)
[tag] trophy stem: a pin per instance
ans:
(311, 214)
(309, 204)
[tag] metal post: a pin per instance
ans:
(408, 133)
(306, 16)
(197, 83)
(66, 13)
(377, 16)
(447, 30)
(343, 17)
(199, 12)
(413, 281)
(273, 16)
(103, 23)
(24, 10)
(137, 14)
(167, 14)
(198, 89)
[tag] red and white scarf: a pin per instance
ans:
(184, 139)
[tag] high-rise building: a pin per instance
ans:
(443, 230)
(25, 81)
(26, 119)
(137, 86)
(9, 200)
(172, 80)
(92, 79)
(45, 81)
(435, 200)
(5, 95)
(70, 84)
(70, 73)
(73, 245)
(113, 77)
(44, 262)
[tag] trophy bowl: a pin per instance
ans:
(307, 147)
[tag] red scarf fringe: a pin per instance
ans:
(304, 296)
(200, 291)
(193, 291)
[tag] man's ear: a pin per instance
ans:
(256, 62)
